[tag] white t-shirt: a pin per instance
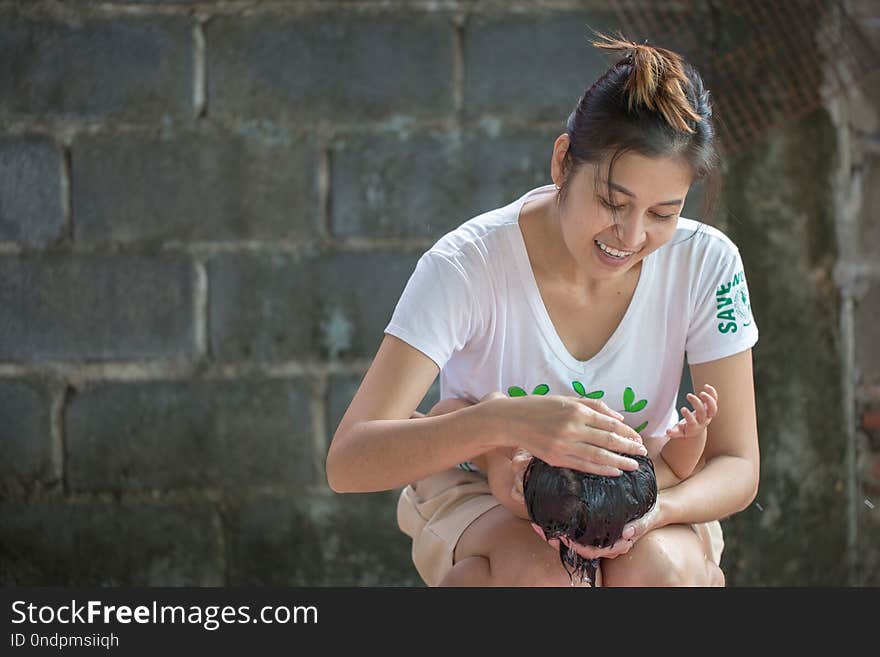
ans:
(473, 306)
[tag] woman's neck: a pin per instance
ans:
(551, 259)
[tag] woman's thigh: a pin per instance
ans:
(517, 555)
(668, 556)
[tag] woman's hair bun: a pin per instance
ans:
(658, 80)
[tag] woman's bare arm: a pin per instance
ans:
(495, 463)
(728, 480)
(378, 447)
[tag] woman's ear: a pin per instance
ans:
(557, 161)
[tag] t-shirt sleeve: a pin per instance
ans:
(437, 311)
(722, 323)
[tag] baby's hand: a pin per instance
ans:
(706, 407)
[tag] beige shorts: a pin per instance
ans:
(435, 511)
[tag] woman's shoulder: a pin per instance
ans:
(699, 243)
(479, 240)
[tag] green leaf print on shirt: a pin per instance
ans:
(516, 391)
(630, 405)
(629, 397)
(579, 389)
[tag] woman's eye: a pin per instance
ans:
(617, 208)
(608, 205)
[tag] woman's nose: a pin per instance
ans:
(631, 231)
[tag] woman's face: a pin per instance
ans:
(649, 194)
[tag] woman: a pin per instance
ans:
(580, 301)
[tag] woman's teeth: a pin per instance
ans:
(613, 252)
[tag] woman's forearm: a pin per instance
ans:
(380, 455)
(726, 485)
(664, 474)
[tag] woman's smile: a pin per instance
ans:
(613, 257)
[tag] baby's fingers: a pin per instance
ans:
(711, 404)
(677, 430)
(691, 423)
(699, 407)
(712, 392)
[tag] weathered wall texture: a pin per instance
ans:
(208, 211)
(857, 276)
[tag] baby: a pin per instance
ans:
(590, 509)
(587, 509)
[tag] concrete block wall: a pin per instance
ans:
(207, 213)
(858, 279)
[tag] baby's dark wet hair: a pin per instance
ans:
(586, 508)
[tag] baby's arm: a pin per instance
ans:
(682, 456)
(495, 463)
(687, 439)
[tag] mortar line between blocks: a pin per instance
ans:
(58, 437)
(200, 309)
(65, 191)
(323, 188)
(458, 71)
(199, 71)
(320, 438)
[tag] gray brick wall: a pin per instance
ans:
(137, 188)
(31, 197)
(331, 67)
(208, 211)
(26, 436)
(194, 434)
(98, 306)
(527, 67)
(120, 68)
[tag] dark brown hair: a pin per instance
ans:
(651, 102)
(585, 508)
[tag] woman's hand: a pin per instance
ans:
(621, 546)
(631, 533)
(653, 519)
(569, 432)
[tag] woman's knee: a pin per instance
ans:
(516, 555)
(544, 572)
(521, 558)
(715, 574)
(471, 571)
(671, 556)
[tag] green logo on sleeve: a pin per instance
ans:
(732, 305)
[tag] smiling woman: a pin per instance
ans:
(588, 292)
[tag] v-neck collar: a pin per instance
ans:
(539, 309)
